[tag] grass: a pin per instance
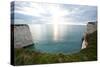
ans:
(24, 56)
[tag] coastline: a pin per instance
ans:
(23, 56)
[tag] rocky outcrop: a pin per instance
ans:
(91, 27)
(22, 35)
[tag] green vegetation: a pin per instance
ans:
(24, 56)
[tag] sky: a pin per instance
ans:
(27, 12)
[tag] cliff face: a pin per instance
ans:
(91, 27)
(22, 35)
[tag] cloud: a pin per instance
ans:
(82, 13)
(40, 13)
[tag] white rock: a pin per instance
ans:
(22, 36)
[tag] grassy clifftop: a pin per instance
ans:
(24, 56)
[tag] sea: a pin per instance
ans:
(57, 38)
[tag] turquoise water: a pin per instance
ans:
(49, 38)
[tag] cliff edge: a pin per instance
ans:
(91, 28)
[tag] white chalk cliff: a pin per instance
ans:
(91, 27)
(22, 36)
